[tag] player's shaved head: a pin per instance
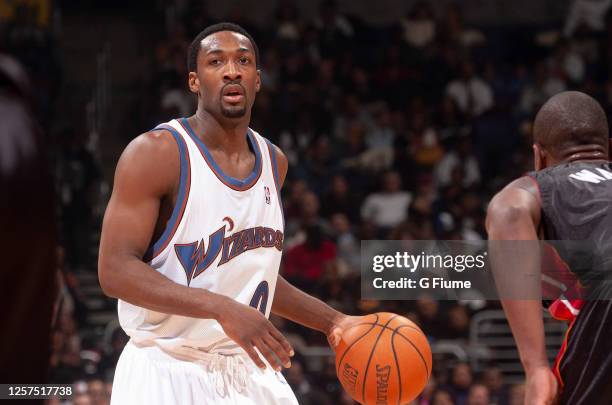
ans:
(570, 120)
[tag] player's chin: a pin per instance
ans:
(233, 111)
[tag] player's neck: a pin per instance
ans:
(585, 153)
(230, 136)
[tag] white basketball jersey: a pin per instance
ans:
(225, 235)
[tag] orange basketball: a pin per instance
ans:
(385, 359)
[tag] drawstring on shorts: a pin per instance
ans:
(228, 371)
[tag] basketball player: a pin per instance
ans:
(568, 197)
(191, 245)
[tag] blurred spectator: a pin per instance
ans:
(71, 301)
(345, 399)
(458, 326)
(351, 113)
(82, 399)
(426, 397)
(97, 392)
(542, 87)
(517, 395)
(293, 201)
(319, 164)
(388, 207)
(455, 33)
(77, 176)
(37, 12)
(65, 360)
(307, 261)
(493, 379)
(340, 199)
(462, 155)
(419, 25)
(478, 395)
(472, 94)
(442, 396)
(349, 247)
(472, 217)
(423, 143)
(108, 362)
(586, 14)
(430, 318)
(451, 122)
(308, 217)
(288, 26)
(461, 381)
(568, 62)
(305, 392)
(195, 16)
(380, 136)
(333, 28)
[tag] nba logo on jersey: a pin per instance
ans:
(267, 190)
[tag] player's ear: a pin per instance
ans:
(258, 81)
(194, 83)
(539, 157)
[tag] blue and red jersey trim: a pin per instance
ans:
(181, 200)
(231, 182)
(274, 163)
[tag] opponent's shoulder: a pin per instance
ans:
(151, 158)
(518, 199)
(527, 183)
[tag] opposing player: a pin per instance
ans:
(568, 197)
(191, 245)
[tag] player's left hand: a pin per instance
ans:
(340, 325)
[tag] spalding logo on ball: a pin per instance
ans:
(383, 360)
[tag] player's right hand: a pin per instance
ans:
(250, 329)
(541, 387)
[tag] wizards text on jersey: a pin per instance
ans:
(195, 257)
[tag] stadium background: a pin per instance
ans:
(399, 119)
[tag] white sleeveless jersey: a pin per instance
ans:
(225, 235)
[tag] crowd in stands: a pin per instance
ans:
(395, 132)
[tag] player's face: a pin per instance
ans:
(227, 78)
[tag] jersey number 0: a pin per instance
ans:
(260, 297)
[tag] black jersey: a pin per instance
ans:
(576, 200)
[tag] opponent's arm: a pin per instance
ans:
(147, 172)
(514, 215)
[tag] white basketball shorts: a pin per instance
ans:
(148, 375)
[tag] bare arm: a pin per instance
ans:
(293, 304)
(147, 171)
(514, 215)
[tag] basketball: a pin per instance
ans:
(386, 359)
